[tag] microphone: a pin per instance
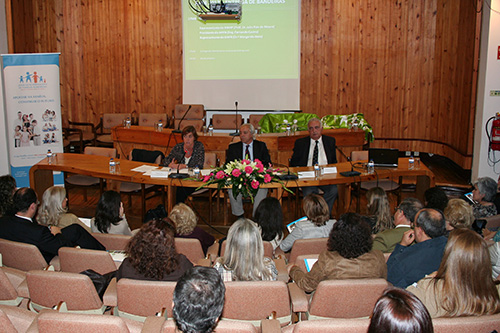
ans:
(178, 130)
(351, 173)
(288, 175)
(179, 175)
(236, 133)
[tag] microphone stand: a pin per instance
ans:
(287, 176)
(178, 130)
(237, 132)
(351, 173)
(179, 175)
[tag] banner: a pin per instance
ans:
(33, 108)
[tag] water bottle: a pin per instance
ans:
(288, 129)
(49, 156)
(127, 122)
(371, 167)
(196, 172)
(411, 163)
(317, 171)
(112, 165)
(210, 129)
(160, 126)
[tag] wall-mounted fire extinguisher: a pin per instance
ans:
(494, 133)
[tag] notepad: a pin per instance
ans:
(118, 255)
(310, 263)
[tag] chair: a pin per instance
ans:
(70, 292)
(227, 121)
(189, 114)
(492, 222)
(149, 119)
(387, 184)
(353, 298)
(146, 156)
(223, 326)
(103, 129)
(14, 319)
(84, 181)
(268, 249)
(73, 134)
(254, 119)
(9, 284)
(22, 256)
(338, 325)
(191, 248)
(253, 301)
(467, 324)
(111, 241)
(307, 246)
(74, 260)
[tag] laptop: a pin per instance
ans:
(383, 157)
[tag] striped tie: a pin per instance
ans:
(247, 153)
(315, 154)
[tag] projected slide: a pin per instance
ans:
(264, 44)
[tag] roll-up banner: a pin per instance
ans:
(33, 108)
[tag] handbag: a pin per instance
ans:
(100, 281)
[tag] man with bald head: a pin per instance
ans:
(410, 263)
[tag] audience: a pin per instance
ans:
(458, 214)
(185, 221)
(436, 198)
(317, 225)
(349, 255)
(54, 209)
(379, 210)
(244, 259)
(7, 189)
(269, 218)
(152, 255)
(198, 300)
(400, 311)
(109, 215)
(463, 285)
(485, 190)
(408, 264)
(23, 228)
(386, 240)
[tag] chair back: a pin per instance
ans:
(146, 156)
(223, 326)
(226, 121)
(149, 119)
(190, 247)
(253, 301)
(353, 298)
(14, 319)
(196, 123)
(110, 120)
(8, 293)
(467, 324)
(22, 256)
(492, 222)
(48, 289)
(268, 249)
(75, 260)
(100, 151)
(49, 322)
(138, 299)
(210, 160)
(112, 241)
(307, 246)
(196, 111)
(338, 325)
(359, 155)
(254, 119)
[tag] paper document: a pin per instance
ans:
(145, 168)
(85, 220)
(329, 170)
(117, 255)
(310, 263)
(306, 174)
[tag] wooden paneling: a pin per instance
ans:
(408, 65)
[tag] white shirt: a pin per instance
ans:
(322, 160)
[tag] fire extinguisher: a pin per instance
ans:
(494, 135)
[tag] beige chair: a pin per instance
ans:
(189, 115)
(338, 325)
(74, 260)
(353, 298)
(254, 119)
(227, 121)
(111, 241)
(492, 222)
(76, 133)
(83, 181)
(224, 326)
(10, 282)
(307, 246)
(149, 119)
(103, 129)
(191, 248)
(15, 320)
(69, 292)
(467, 324)
(23, 256)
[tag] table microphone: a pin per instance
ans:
(351, 173)
(179, 175)
(178, 130)
(236, 133)
(288, 175)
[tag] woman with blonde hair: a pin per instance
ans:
(53, 210)
(244, 256)
(463, 285)
(458, 214)
(379, 210)
(185, 221)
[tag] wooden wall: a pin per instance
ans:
(409, 65)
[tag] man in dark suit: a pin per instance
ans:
(23, 228)
(316, 149)
(251, 149)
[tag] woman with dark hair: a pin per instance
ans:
(436, 198)
(109, 215)
(152, 255)
(400, 311)
(269, 218)
(317, 225)
(189, 153)
(349, 255)
(379, 210)
(7, 189)
(463, 284)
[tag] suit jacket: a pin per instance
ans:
(260, 152)
(301, 151)
(386, 240)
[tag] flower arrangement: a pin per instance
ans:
(243, 176)
(287, 126)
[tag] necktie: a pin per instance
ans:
(247, 153)
(315, 154)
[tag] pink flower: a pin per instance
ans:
(246, 162)
(255, 184)
(259, 166)
(206, 178)
(248, 170)
(267, 178)
(220, 174)
(236, 172)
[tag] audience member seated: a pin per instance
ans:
(185, 222)
(23, 228)
(269, 218)
(400, 311)
(54, 209)
(408, 264)
(379, 210)
(198, 300)
(151, 254)
(349, 255)
(463, 285)
(244, 255)
(386, 240)
(485, 190)
(109, 215)
(496, 201)
(7, 189)
(436, 198)
(458, 214)
(317, 225)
